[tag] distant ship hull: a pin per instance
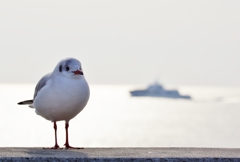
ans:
(143, 93)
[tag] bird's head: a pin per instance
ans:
(70, 68)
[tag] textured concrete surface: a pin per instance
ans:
(120, 154)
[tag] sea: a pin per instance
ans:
(112, 118)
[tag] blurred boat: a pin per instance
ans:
(157, 90)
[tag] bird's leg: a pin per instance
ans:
(56, 144)
(67, 146)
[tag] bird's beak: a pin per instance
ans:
(78, 72)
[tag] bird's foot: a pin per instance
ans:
(70, 147)
(54, 147)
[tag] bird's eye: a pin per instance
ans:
(67, 68)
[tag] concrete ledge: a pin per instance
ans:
(120, 154)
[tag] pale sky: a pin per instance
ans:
(187, 42)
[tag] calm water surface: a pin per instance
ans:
(114, 119)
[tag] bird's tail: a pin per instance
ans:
(27, 102)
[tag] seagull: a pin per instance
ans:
(61, 95)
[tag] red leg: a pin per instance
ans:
(56, 144)
(67, 146)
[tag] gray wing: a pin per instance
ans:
(42, 82)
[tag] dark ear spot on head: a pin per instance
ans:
(60, 68)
